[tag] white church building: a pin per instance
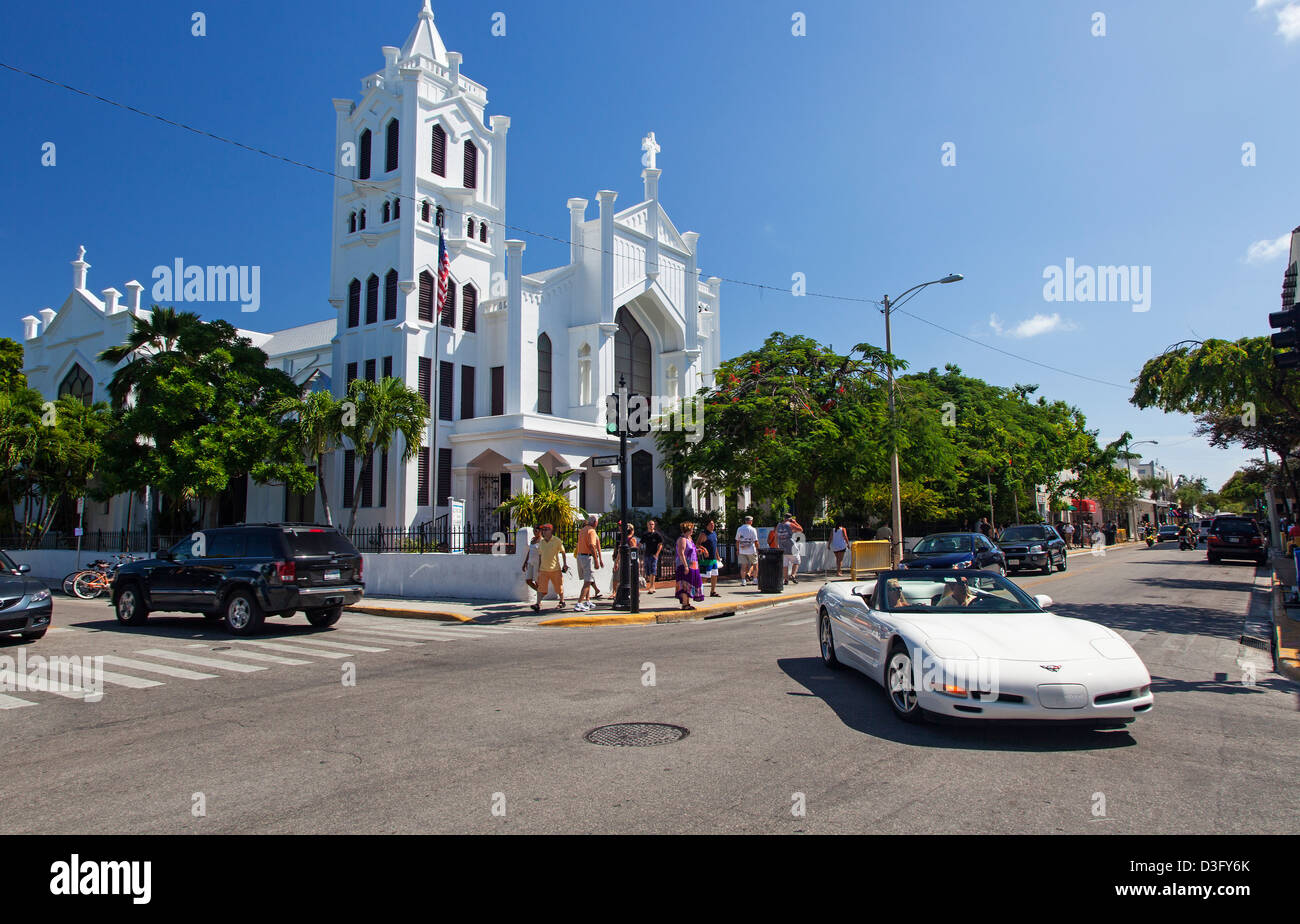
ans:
(515, 365)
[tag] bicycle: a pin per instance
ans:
(90, 583)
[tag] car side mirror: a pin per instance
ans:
(864, 592)
(24, 569)
(1043, 600)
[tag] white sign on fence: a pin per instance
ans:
(458, 526)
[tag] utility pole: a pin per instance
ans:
(896, 501)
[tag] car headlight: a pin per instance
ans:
(40, 596)
(1035, 548)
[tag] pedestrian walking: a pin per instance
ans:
(531, 560)
(747, 551)
(839, 545)
(686, 571)
(552, 562)
(710, 567)
(1069, 533)
(985, 526)
(651, 543)
(589, 561)
(791, 548)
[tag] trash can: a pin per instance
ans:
(770, 571)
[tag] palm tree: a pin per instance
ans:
(549, 502)
(317, 421)
(373, 415)
(162, 332)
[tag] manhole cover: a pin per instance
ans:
(636, 734)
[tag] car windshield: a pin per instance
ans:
(958, 594)
(939, 545)
(1025, 533)
(7, 563)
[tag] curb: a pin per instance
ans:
(663, 617)
(1286, 660)
(409, 614)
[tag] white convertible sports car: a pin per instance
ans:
(974, 645)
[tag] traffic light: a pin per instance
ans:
(1287, 321)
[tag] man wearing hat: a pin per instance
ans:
(553, 561)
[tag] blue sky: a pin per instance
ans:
(818, 154)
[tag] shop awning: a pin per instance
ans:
(1087, 506)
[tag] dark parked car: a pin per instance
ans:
(242, 574)
(1168, 533)
(1033, 547)
(956, 550)
(1236, 537)
(25, 604)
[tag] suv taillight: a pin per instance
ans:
(287, 571)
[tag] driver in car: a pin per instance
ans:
(957, 593)
(894, 594)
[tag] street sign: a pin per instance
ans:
(604, 460)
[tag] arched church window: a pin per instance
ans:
(471, 165)
(482, 231)
(469, 229)
(643, 467)
(388, 213)
(352, 223)
(361, 220)
(425, 210)
(584, 374)
(438, 162)
(390, 146)
(544, 374)
(449, 305)
(363, 163)
(390, 295)
(632, 354)
(372, 299)
(354, 303)
(78, 384)
(426, 296)
(397, 208)
(439, 216)
(469, 308)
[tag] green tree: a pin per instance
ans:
(548, 503)
(373, 415)
(193, 404)
(316, 421)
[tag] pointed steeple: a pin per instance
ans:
(425, 40)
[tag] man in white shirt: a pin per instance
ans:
(747, 551)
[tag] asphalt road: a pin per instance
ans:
(468, 729)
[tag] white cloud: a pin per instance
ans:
(1267, 251)
(1288, 22)
(1264, 4)
(1032, 327)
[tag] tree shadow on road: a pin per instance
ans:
(862, 705)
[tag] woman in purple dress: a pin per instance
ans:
(689, 585)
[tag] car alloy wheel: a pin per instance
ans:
(827, 640)
(241, 614)
(130, 608)
(902, 695)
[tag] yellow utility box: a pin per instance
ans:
(870, 556)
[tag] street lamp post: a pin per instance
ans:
(896, 503)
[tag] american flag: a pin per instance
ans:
(444, 270)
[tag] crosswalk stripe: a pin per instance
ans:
(441, 635)
(313, 640)
(364, 636)
(8, 678)
(13, 702)
(262, 656)
(165, 669)
(126, 680)
(218, 663)
(295, 649)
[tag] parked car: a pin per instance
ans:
(1033, 547)
(242, 574)
(1203, 530)
(974, 645)
(955, 550)
(1168, 533)
(1236, 537)
(25, 604)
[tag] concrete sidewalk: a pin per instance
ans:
(659, 607)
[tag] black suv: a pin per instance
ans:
(242, 574)
(1236, 537)
(1038, 547)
